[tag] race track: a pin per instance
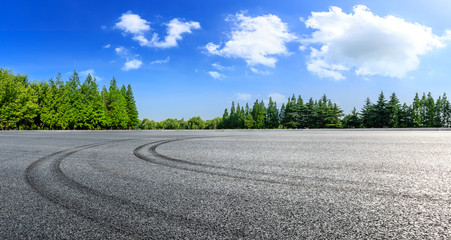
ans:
(225, 184)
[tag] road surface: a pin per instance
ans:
(225, 184)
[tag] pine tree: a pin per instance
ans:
(131, 106)
(225, 120)
(249, 121)
(430, 112)
(272, 115)
(381, 113)
(291, 115)
(393, 111)
(416, 111)
(117, 107)
(352, 120)
(367, 114)
(446, 111)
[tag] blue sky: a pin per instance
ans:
(189, 58)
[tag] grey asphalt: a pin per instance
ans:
(273, 184)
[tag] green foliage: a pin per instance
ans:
(63, 105)
(196, 123)
(249, 121)
(423, 112)
(352, 120)
(169, 123)
(213, 123)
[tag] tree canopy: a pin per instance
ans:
(55, 104)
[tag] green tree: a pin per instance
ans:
(272, 115)
(249, 122)
(352, 120)
(393, 107)
(117, 107)
(170, 123)
(368, 114)
(196, 123)
(213, 123)
(147, 124)
(131, 107)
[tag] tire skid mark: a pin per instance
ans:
(117, 204)
(150, 148)
(116, 174)
(148, 152)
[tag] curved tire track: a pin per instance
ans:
(148, 152)
(121, 215)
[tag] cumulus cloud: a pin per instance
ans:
(133, 24)
(131, 59)
(91, 72)
(366, 43)
(107, 46)
(132, 64)
(243, 96)
(216, 75)
(161, 61)
(277, 97)
(258, 40)
(174, 33)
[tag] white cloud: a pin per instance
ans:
(367, 44)
(91, 72)
(174, 33)
(161, 61)
(254, 70)
(216, 75)
(107, 46)
(243, 96)
(277, 97)
(133, 24)
(257, 40)
(121, 51)
(132, 64)
(220, 67)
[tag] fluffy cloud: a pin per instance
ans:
(216, 75)
(133, 24)
(174, 33)
(107, 46)
(243, 96)
(161, 61)
(132, 64)
(92, 73)
(256, 39)
(366, 43)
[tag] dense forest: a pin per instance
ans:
(322, 113)
(56, 104)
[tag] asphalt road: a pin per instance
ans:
(225, 184)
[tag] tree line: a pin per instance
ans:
(56, 104)
(422, 112)
(322, 113)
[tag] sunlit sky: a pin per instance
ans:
(193, 58)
